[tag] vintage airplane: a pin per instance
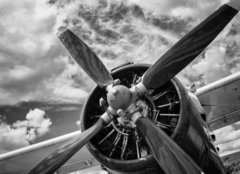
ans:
(140, 118)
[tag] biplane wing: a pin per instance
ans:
(221, 101)
(22, 160)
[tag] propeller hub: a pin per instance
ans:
(119, 97)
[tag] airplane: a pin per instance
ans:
(140, 118)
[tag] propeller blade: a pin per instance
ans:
(54, 161)
(85, 57)
(190, 46)
(171, 158)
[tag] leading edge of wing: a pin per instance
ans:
(23, 159)
(221, 101)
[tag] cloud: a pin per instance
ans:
(180, 8)
(125, 31)
(28, 50)
(35, 119)
(22, 133)
(34, 65)
(31, 57)
(12, 139)
(72, 85)
(210, 68)
(119, 33)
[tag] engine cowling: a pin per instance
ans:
(119, 147)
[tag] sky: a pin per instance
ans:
(35, 68)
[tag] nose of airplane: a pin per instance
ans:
(119, 97)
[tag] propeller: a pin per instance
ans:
(170, 157)
(167, 153)
(188, 48)
(55, 160)
(85, 57)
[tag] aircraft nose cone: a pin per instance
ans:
(119, 97)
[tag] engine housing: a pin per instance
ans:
(120, 148)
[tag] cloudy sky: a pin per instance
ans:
(34, 67)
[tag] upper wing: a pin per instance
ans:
(221, 101)
(22, 160)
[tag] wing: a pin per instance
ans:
(221, 101)
(24, 159)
